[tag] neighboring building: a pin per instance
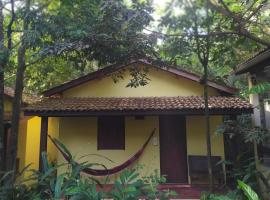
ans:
(8, 98)
(257, 69)
(29, 132)
(94, 115)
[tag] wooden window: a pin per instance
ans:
(111, 132)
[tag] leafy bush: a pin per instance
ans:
(69, 185)
(248, 192)
(245, 193)
(129, 186)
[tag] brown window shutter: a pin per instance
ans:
(111, 132)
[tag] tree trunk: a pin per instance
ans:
(18, 92)
(2, 64)
(207, 127)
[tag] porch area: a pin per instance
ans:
(116, 128)
(184, 191)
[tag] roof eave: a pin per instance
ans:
(245, 67)
(218, 111)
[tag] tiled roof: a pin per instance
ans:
(27, 98)
(8, 91)
(49, 105)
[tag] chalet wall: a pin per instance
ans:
(80, 136)
(32, 135)
(161, 84)
(196, 138)
(267, 113)
(7, 104)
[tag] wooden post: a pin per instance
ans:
(43, 139)
(256, 116)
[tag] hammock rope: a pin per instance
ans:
(114, 170)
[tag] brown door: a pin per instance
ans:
(173, 149)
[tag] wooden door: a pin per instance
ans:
(173, 149)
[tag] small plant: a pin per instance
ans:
(248, 192)
(245, 193)
(48, 184)
(129, 187)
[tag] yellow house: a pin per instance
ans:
(99, 115)
(8, 98)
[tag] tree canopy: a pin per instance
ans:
(68, 38)
(74, 36)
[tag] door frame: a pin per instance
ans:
(185, 149)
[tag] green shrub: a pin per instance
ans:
(245, 192)
(69, 185)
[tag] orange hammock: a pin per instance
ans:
(105, 172)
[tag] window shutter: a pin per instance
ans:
(111, 132)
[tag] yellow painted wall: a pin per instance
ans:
(196, 138)
(53, 130)
(32, 144)
(161, 84)
(33, 141)
(7, 104)
(80, 136)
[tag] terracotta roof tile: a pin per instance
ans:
(8, 91)
(27, 98)
(136, 103)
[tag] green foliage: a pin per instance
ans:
(249, 193)
(49, 184)
(69, 38)
(242, 126)
(129, 186)
(257, 134)
(180, 20)
(207, 196)
(260, 88)
(243, 167)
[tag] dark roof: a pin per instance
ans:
(112, 68)
(252, 63)
(101, 105)
(8, 91)
(27, 99)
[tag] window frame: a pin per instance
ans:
(113, 125)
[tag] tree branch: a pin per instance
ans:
(211, 34)
(225, 11)
(240, 21)
(255, 11)
(9, 26)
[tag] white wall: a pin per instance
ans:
(267, 113)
